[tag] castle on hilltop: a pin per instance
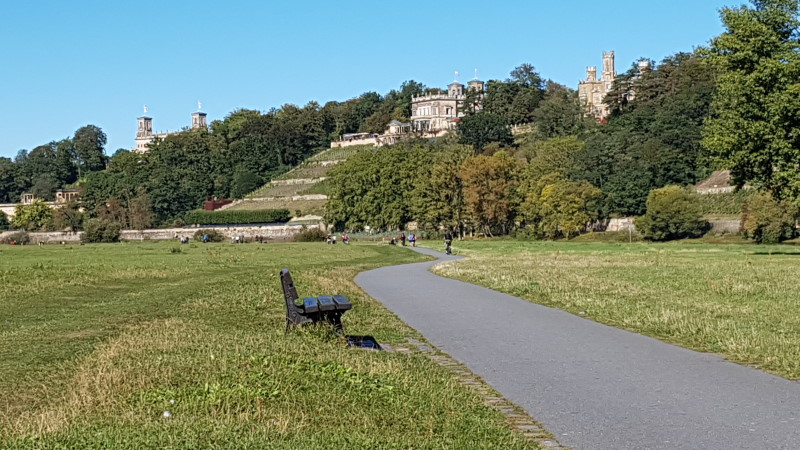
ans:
(432, 115)
(441, 112)
(145, 135)
(592, 90)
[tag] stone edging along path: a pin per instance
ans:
(593, 386)
(516, 416)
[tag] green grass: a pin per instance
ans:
(340, 154)
(740, 301)
(98, 340)
(304, 206)
(323, 187)
(281, 190)
(306, 171)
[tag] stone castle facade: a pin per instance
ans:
(592, 91)
(145, 135)
(441, 112)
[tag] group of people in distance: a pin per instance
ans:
(331, 239)
(412, 239)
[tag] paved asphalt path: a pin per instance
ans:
(592, 386)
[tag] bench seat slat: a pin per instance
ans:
(310, 305)
(326, 303)
(342, 303)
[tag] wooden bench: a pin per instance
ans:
(325, 308)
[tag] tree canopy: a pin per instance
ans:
(755, 118)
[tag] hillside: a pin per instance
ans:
(303, 190)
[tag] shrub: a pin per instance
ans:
(226, 217)
(19, 238)
(33, 217)
(213, 235)
(672, 213)
(4, 223)
(767, 221)
(101, 230)
(310, 235)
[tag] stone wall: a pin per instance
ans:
(272, 232)
(719, 226)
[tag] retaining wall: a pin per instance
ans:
(275, 232)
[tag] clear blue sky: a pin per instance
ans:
(66, 64)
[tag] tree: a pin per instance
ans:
(555, 207)
(438, 196)
(9, 190)
(516, 98)
(33, 217)
(477, 130)
(490, 186)
(372, 188)
(45, 186)
(755, 121)
(244, 182)
(559, 114)
(99, 230)
(672, 213)
(768, 221)
(68, 217)
(140, 210)
(556, 155)
(90, 142)
(4, 223)
(655, 140)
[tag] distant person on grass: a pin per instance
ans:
(403, 238)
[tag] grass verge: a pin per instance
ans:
(98, 341)
(740, 301)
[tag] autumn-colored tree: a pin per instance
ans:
(490, 186)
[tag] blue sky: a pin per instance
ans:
(68, 64)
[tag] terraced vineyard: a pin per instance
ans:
(303, 190)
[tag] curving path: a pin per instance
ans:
(591, 385)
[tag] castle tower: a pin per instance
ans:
(591, 74)
(455, 89)
(145, 126)
(609, 73)
(475, 85)
(199, 118)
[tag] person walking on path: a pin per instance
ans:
(448, 241)
(403, 238)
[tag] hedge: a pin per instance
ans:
(235, 217)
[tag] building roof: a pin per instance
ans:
(397, 123)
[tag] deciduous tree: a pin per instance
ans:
(755, 122)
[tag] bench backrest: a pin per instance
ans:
(289, 291)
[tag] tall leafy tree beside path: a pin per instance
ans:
(755, 121)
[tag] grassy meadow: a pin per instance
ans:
(98, 341)
(741, 301)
